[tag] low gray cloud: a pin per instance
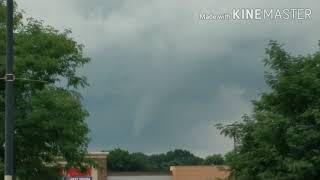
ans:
(160, 78)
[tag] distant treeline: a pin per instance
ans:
(121, 160)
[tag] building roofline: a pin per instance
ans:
(140, 174)
(200, 166)
(98, 153)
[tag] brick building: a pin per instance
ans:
(200, 172)
(175, 173)
(92, 173)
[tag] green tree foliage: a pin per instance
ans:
(182, 157)
(119, 160)
(159, 162)
(141, 162)
(49, 116)
(216, 159)
(281, 139)
(122, 160)
(234, 130)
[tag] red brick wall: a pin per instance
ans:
(199, 172)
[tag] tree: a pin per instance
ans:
(122, 160)
(49, 116)
(182, 157)
(119, 160)
(234, 130)
(215, 159)
(140, 162)
(173, 158)
(158, 162)
(281, 139)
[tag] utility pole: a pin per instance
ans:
(9, 97)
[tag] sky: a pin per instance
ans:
(161, 78)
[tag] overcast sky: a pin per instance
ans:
(160, 77)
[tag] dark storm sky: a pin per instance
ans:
(161, 78)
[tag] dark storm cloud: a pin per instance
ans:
(160, 78)
(96, 8)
